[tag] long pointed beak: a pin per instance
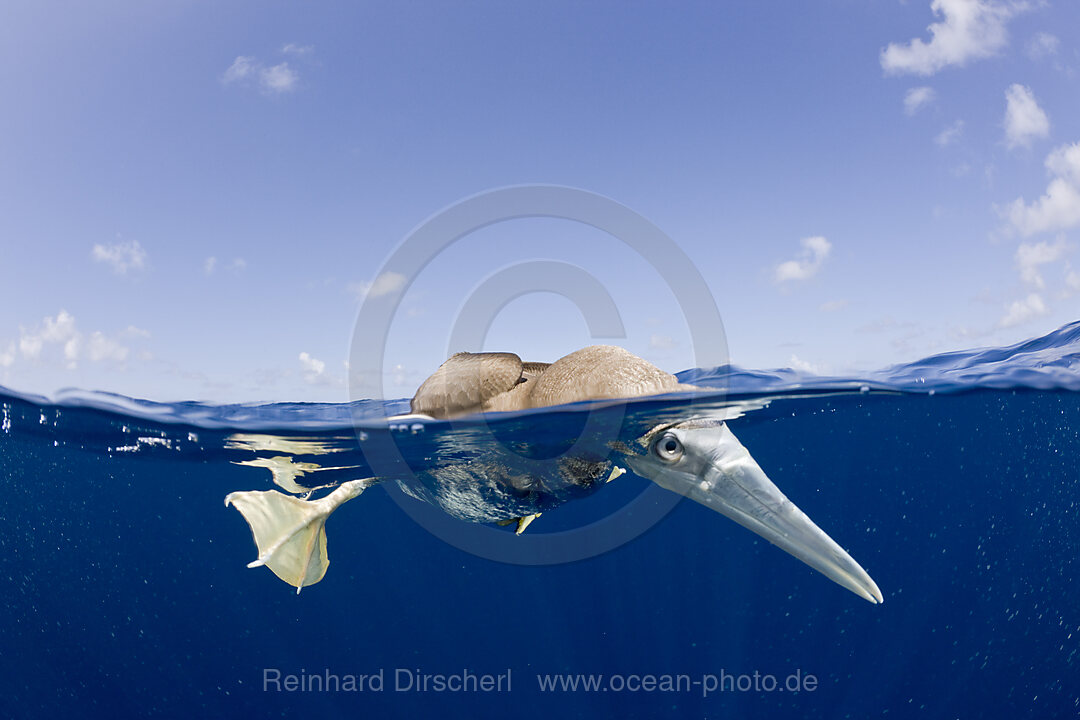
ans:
(733, 484)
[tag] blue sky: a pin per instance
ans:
(194, 196)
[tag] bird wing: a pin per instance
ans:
(465, 382)
(600, 371)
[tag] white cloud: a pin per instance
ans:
(315, 371)
(243, 67)
(797, 363)
(815, 250)
(71, 351)
(969, 30)
(1024, 310)
(1029, 256)
(1043, 45)
(833, 305)
(384, 284)
(210, 265)
(298, 50)
(30, 345)
(1059, 207)
(7, 357)
(1071, 279)
(950, 134)
(1065, 162)
(1071, 282)
(312, 365)
(121, 256)
(278, 79)
(102, 348)
(1024, 119)
(60, 332)
(270, 79)
(918, 97)
(661, 342)
(1071, 285)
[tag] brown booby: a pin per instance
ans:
(697, 457)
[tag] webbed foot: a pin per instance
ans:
(522, 522)
(289, 532)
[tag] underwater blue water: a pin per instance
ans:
(954, 481)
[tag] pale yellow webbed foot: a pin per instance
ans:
(615, 472)
(289, 532)
(524, 522)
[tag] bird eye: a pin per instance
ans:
(668, 448)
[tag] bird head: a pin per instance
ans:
(701, 459)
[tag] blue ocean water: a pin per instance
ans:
(953, 481)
